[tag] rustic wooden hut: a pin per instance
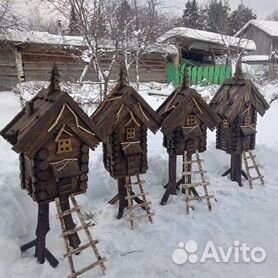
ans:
(124, 118)
(185, 118)
(263, 32)
(237, 103)
(29, 56)
(53, 135)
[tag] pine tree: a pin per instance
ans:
(238, 18)
(191, 17)
(218, 12)
(73, 24)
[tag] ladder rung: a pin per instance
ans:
(141, 216)
(146, 204)
(253, 167)
(80, 248)
(196, 184)
(200, 198)
(133, 183)
(79, 272)
(193, 161)
(194, 172)
(256, 178)
(68, 211)
(248, 157)
(136, 195)
(77, 229)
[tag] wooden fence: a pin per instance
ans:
(204, 75)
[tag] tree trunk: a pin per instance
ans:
(236, 166)
(172, 179)
(41, 231)
(122, 194)
(70, 225)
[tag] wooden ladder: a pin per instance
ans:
(130, 199)
(188, 184)
(254, 165)
(65, 233)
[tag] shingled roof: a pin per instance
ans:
(39, 120)
(183, 101)
(234, 95)
(121, 101)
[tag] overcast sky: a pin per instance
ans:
(261, 7)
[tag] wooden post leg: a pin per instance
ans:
(70, 225)
(122, 195)
(41, 231)
(172, 176)
(236, 168)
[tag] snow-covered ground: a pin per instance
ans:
(249, 216)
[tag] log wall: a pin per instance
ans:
(34, 63)
(8, 70)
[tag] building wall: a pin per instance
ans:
(263, 40)
(8, 70)
(37, 62)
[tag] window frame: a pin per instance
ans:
(225, 124)
(64, 146)
(191, 120)
(130, 133)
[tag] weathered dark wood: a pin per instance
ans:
(237, 103)
(41, 231)
(53, 136)
(73, 238)
(236, 168)
(43, 165)
(185, 118)
(122, 200)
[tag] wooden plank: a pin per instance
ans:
(136, 195)
(77, 229)
(68, 211)
(81, 271)
(139, 217)
(80, 248)
(196, 184)
(145, 204)
(200, 197)
(194, 172)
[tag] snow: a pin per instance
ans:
(206, 36)
(47, 38)
(255, 58)
(42, 38)
(268, 26)
(239, 214)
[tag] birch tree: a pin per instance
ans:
(8, 17)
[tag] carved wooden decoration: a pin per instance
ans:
(53, 135)
(124, 118)
(185, 118)
(237, 103)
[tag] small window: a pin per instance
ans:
(64, 146)
(226, 124)
(247, 121)
(130, 133)
(191, 120)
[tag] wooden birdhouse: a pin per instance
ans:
(237, 103)
(52, 135)
(185, 119)
(124, 118)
